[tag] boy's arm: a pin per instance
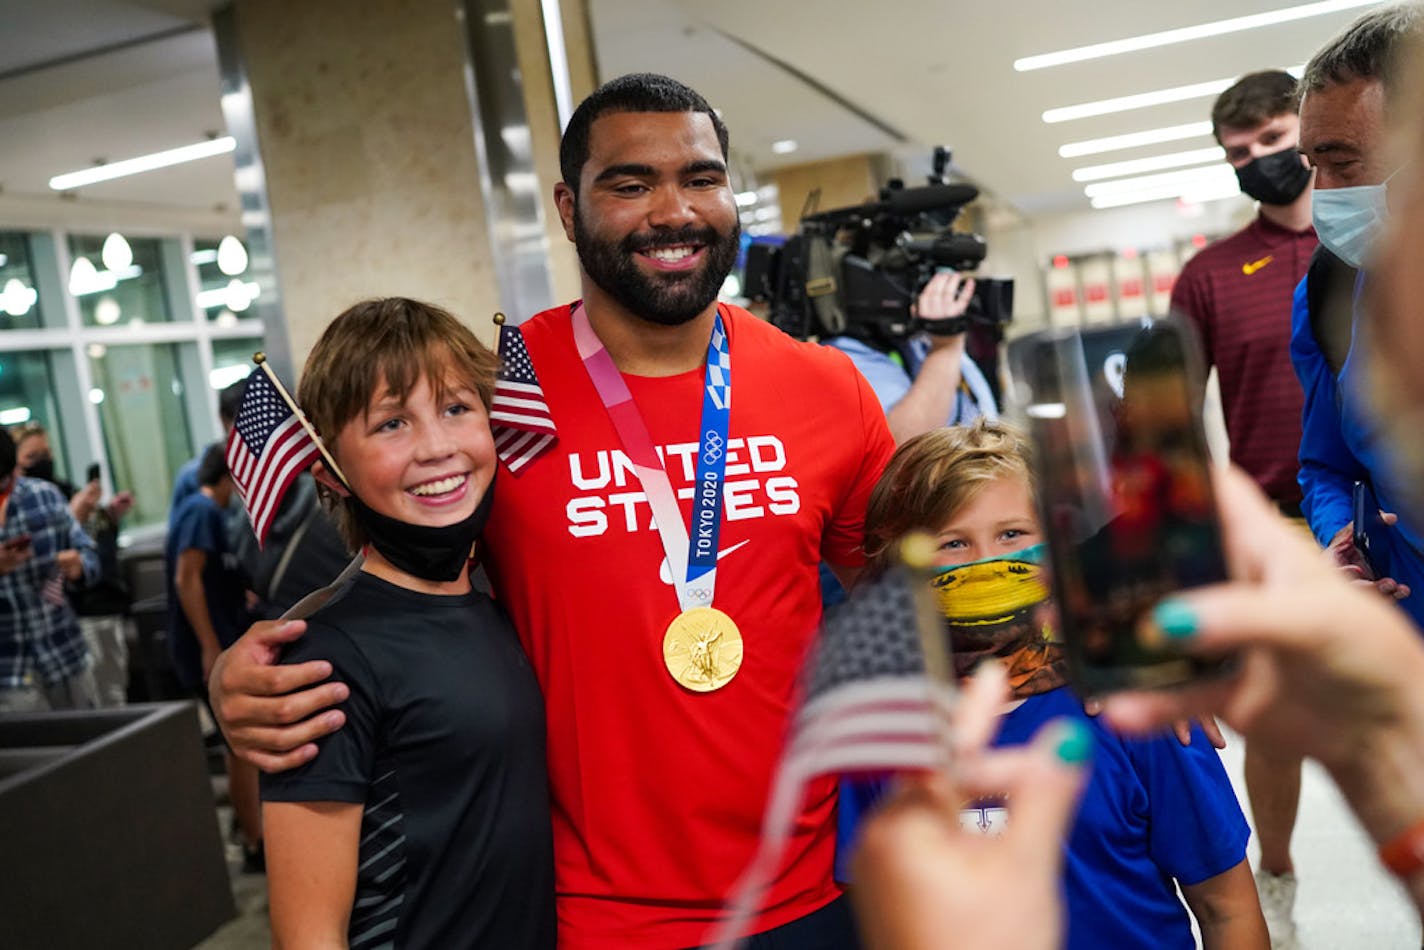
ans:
(312, 852)
(188, 581)
(1228, 910)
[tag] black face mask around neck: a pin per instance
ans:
(430, 553)
(1275, 179)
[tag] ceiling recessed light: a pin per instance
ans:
(1142, 100)
(1111, 143)
(143, 163)
(1184, 34)
(784, 146)
(1199, 156)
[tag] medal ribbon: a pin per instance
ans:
(691, 556)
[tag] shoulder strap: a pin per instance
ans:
(1330, 302)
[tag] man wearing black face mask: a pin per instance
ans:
(1238, 294)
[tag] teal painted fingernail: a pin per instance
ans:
(1176, 620)
(1075, 746)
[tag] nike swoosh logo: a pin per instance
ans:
(1251, 268)
(665, 572)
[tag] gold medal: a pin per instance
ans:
(702, 649)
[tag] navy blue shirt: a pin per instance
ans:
(199, 524)
(1154, 812)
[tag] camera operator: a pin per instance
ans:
(927, 380)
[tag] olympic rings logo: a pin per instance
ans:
(712, 447)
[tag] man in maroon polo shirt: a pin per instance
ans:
(1237, 293)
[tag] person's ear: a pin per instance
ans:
(325, 478)
(565, 200)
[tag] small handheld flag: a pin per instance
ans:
(271, 443)
(519, 416)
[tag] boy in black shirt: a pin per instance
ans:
(424, 822)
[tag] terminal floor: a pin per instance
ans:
(1345, 901)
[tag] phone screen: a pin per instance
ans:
(1124, 490)
(92, 475)
(1371, 534)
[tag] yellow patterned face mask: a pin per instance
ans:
(1002, 607)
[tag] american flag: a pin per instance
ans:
(267, 449)
(868, 707)
(519, 416)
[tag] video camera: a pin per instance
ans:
(857, 271)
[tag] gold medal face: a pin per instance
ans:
(702, 649)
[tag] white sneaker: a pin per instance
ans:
(1277, 903)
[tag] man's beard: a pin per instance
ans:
(669, 298)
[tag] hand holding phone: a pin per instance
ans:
(1371, 531)
(1124, 489)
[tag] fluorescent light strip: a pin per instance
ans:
(1187, 33)
(1142, 100)
(1154, 163)
(144, 163)
(1209, 174)
(1194, 194)
(1171, 133)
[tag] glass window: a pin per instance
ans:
(130, 291)
(225, 290)
(232, 360)
(27, 395)
(138, 389)
(19, 301)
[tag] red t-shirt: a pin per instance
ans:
(1238, 293)
(658, 792)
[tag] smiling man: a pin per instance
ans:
(660, 562)
(1237, 293)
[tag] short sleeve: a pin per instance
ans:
(1195, 826)
(844, 541)
(197, 530)
(342, 769)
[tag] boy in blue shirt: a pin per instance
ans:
(1155, 815)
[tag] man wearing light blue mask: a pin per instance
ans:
(1346, 93)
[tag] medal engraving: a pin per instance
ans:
(702, 649)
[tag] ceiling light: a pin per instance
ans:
(232, 256)
(1191, 196)
(17, 299)
(745, 199)
(224, 376)
(144, 163)
(83, 276)
(784, 146)
(208, 256)
(96, 396)
(1187, 33)
(13, 417)
(1171, 133)
(107, 312)
(1142, 100)
(1153, 163)
(116, 254)
(1211, 173)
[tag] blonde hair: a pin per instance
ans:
(395, 341)
(931, 477)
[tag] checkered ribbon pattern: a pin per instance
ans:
(267, 449)
(868, 708)
(717, 366)
(519, 415)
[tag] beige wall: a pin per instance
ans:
(365, 131)
(843, 181)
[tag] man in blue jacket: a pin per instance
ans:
(1347, 88)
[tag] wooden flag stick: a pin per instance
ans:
(261, 360)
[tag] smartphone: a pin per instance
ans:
(92, 475)
(1124, 490)
(1371, 534)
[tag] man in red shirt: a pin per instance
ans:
(668, 690)
(1238, 293)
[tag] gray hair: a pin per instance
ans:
(1369, 49)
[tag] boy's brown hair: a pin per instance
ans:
(1254, 99)
(933, 476)
(395, 341)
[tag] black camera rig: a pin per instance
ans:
(857, 271)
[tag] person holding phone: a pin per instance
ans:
(44, 660)
(1155, 815)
